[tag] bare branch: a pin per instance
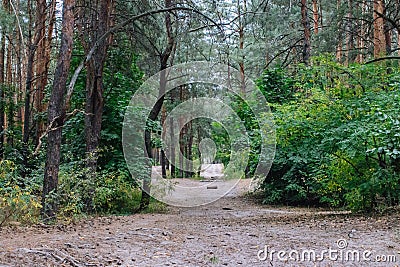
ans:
(51, 127)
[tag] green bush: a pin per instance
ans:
(17, 203)
(115, 194)
(339, 140)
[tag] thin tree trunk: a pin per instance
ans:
(42, 67)
(339, 48)
(361, 35)
(350, 34)
(316, 16)
(379, 29)
(27, 109)
(182, 151)
(145, 199)
(307, 35)
(172, 149)
(21, 71)
(321, 17)
(163, 157)
(56, 112)
(189, 145)
(398, 42)
(31, 47)
(388, 32)
(182, 135)
(9, 121)
(95, 89)
(241, 44)
(2, 80)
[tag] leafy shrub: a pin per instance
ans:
(276, 86)
(17, 203)
(116, 194)
(339, 140)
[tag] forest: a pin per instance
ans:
(329, 71)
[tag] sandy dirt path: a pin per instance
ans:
(233, 231)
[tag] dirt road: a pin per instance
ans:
(231, 232)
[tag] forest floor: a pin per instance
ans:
(233, 231)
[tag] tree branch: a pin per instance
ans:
(381, 59)
(113, 30)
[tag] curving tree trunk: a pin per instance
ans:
(165, 56)
(56, 112)
(91, 30)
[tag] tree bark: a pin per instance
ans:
(2, 80)
(42, 67)
(361, 35)
(307, 35)
(56, 112)
(163, 156)
(31, 50)
(388, 32)
(350, 34)
(339, 48)
(241, 44)
(9, 119)
(96, 21)
(189, 145)
(172, 149)
(379, 29)
(398, 42)
(316, 16)
(145, 199)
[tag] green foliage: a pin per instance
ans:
(338, 141)
(115, 195)
(276, 86)
(16, 203)
(113, 191)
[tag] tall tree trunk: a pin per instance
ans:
(172, 149)
(56, 112)
(27, 108)
(379, 29)
(42, 66)
(398, 42)
(94, 87)
(181, 149)
(20, 71)
(9, 121)
(339, 48)
(388, 32)
(2, 80)
(189, 145)
(350, 34)
(321, 17)
(316, 16)
(241, 44)
(145, 199)
(31, 50)
(182, 135)
(361, 35)
(307, 35)
(163, 157)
